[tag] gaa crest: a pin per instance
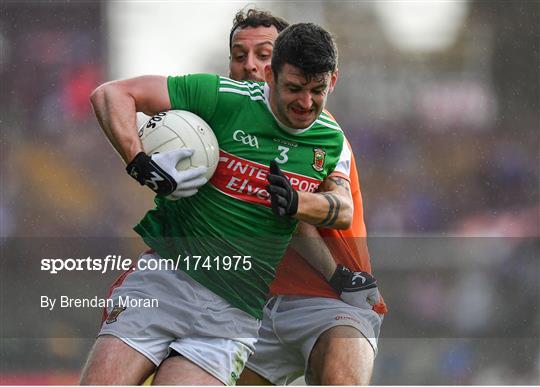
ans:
(113, 316)
(318, 159)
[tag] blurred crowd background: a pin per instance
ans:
(440, 101)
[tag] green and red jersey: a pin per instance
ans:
(231, 215)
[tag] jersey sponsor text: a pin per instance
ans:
(246, 180)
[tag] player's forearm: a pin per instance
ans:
(326, 209)
(309, 244)
(116, 114)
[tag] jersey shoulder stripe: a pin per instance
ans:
(251, 90)
(251, 96)
(241, 83)
(328, 118)
(332, 125)
(252, 86)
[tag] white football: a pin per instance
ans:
(175, 129)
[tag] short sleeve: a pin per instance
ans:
(343, 167)
(197, 93)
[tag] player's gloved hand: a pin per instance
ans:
(357, 288)
(159, 173)
(283, 196)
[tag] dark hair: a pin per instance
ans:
(306, 46)
(255, 18)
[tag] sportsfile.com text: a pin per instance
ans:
(115, 262)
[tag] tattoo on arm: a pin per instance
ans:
(340, 182)
(334, 205)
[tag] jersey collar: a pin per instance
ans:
(266, 91)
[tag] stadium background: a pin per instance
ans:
(440, 102)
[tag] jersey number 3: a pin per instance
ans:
(282, 158)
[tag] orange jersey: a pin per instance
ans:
(296, 277)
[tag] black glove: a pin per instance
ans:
(355, 288)
(160, 174)
(283, 196)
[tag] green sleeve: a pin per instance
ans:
(197, 93)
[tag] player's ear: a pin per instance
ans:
(333, 80)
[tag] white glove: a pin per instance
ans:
(159, 173)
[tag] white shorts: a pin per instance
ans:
(292, 325)
(189, 318)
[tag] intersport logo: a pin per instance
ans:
(246, 180)
(245, 138)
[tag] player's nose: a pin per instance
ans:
(305, 101)
(249, 65)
